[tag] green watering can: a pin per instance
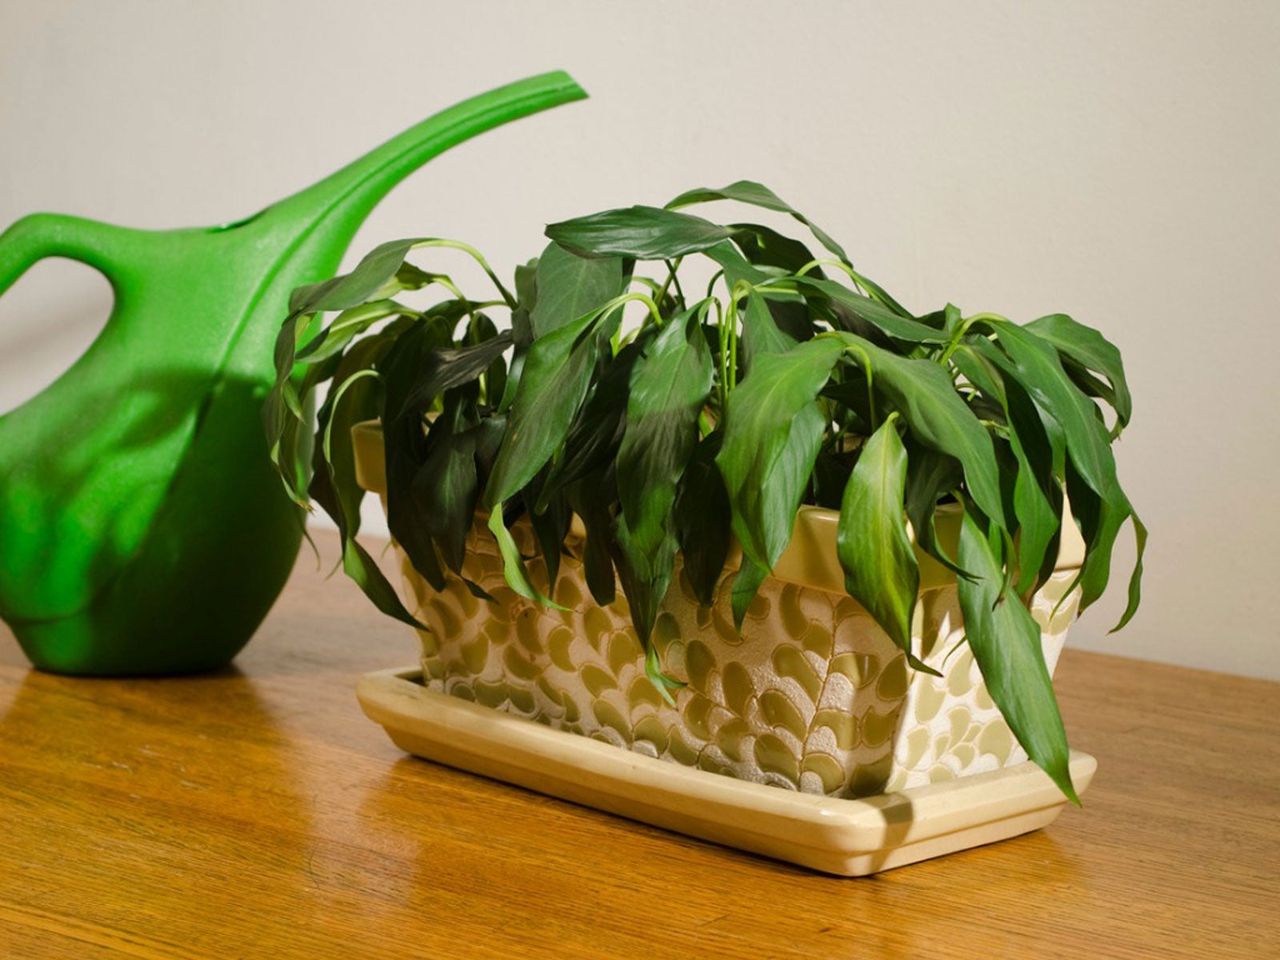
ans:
(142, 529)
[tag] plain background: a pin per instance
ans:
(1119, 162)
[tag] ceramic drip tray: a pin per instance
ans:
(851, 838)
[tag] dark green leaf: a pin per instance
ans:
(879, 562)
(376, 271)
(590, 498)
(446, 485)
(772, 431)
(882, 318)
(593, 440)
(757, 194)
(669, 386)
(760, 334)
(937, 416)
(1091, 350)
(555, 380)
(570, 286)
(444, 368)
(405, 442)
(930, 476)
(703, 519)
(1040, 373)
(1006, 645)
(644, 233)
(554, 383)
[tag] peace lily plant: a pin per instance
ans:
(712, 419)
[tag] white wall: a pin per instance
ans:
(1116, 161)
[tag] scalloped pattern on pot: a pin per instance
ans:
(813, 696)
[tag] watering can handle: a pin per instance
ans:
(41, 235)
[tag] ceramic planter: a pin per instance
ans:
(811, 697)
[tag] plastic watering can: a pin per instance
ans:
(142, 529)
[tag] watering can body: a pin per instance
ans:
(142, 528)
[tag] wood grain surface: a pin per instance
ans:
(256, 813)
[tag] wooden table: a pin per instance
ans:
(256, 813)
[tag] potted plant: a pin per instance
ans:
(787, 530)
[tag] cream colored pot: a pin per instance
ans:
(812, 696)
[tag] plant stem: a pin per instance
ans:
(961, 330)
(475, 255)
(672, 267)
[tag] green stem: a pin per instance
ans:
(672, 267)
(963, 328)
(839, 265)
(477, 257)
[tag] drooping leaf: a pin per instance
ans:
(555, 380)
(554, 383)
(746, 584)
(772, 432)
(930, 476)
(550, 525)
(882, 318)
(669, 386)
(1089, 348)
(1040, 373)
(375, 272)
(346, 327)
(643, 233)
(937, 416)
(880, 570)
(1033, 457)
(483, 330)
(446, 485)
(444, 368)
(596, 433)
(703, 519)
(1006, 644)
(333, 484)
(760, 334)
(405, 443)
(590, 497)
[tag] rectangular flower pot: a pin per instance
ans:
(812, 696)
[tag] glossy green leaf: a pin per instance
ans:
(590, 497)
(375, 272)
(773, 429)
(333, 485)
(703, 519)
(596, 433)
(930, 477)
(644, 233)
(882, 318)
(1006, 644)
(447, 483)
(405, 442)
(1091, 350)
(1038, 519)
(570, 286)
(757, 194)
(669, 386)
(556, 377)
(760, 334)
(937, 416)
(1040, 373)
(553, 385)
(880, 570)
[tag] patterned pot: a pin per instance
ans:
(812, 696)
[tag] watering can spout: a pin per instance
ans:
(347, 196)
(142, 529)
